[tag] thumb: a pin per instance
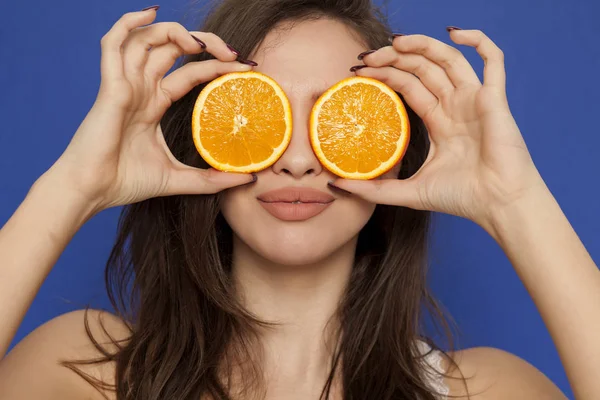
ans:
(190, 180)
(394, 192)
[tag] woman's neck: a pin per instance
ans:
(302, 300)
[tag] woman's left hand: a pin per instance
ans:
(478, 161)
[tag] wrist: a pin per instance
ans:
(55, 188)
(504, 217)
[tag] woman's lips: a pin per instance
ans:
(294, 211)
(295, 203)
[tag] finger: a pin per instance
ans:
(455, 64)
(189, 180)
(432, 75)
(417, 96)
(184, 79)
(216, 46)
(141, 40)
(161, 59)
(394, 192)
(111, 64)
(494, 73)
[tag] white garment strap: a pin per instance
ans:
(433, 370)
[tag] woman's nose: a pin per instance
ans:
(299, 159)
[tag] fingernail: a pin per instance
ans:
(254, 178)
(453, 28)
(200, 42)
(395, 35)
(357, 67)
(332, 185)
(365, 53)
(247, 62)
(155, 8)
(234, 51)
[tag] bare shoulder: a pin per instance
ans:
(494, 374)
(33, 369)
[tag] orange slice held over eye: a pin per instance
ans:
(241, 122)
(359, 128)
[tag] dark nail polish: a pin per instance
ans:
(247, 62)
(332, 185)
(453, 28)
(155, 8)
(234, 51)
(254, 179)
(357, 67)
(394, 36)
(365, 53)
(200, 42)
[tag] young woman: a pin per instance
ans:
(218, 299)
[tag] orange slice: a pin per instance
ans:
(242, 122)
(359, 128)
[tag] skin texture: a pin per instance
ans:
(293, 273)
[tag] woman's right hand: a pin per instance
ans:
(118, 154)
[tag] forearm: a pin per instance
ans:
(30, 243)
(562, 279)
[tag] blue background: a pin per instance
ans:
(49, 76)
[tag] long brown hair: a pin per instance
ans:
(168, 275)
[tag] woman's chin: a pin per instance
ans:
(294, 254)
(289, 250)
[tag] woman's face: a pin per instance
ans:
(305, 61)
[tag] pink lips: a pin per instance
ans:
(295, 203)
